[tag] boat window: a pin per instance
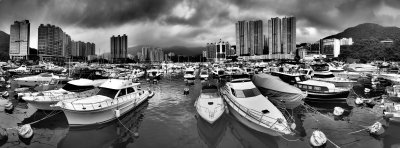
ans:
(75, 88)
(305, 86)
(122, 92)
(130, 90)
(317, 88)
(233, 92)
(309, 87)
(107, 92)
(189, 72)
(297, 79)
(245, 93)
(203, 72)
(324, 76)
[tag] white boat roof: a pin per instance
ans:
(118, 84)
(242, 85)
(85, 82)
(189, 69)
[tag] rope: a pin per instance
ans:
(125, 126)
(48, 116)
(333, 143)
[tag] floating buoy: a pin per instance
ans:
(25, 131)
(5, 94)
(338, 111)
(373, 86)
(358, 101)
(376, 129)
(367, 90)
(293, 126)
(136, 134)
(9, 106)
(8, 86)
(186, 91)
(318, 138)
(117, 113)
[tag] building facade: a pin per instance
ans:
(330, 47)
(52, 42)
(217, 51)
(288, 35)
(151, 54)
(119, 47)
(281, 38)
(249, 37)
(19, 40)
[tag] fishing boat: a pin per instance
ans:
(209, 104)
(316, 90)
(278, 92)
(36, 80)
(204, 74)
(252, 109)
(74, 89)
(114, 99)
(189, 74)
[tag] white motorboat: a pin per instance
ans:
(204, 74)
(115, 98)
(74, 89)
(254, 110)
(36, 80)
(210, 105)
(20, 70)
(189, 74)
(321, 72)
(154, 74)
(361, 68)
(392, 77)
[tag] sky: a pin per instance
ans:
(190, 23)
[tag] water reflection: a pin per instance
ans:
(112, 134)
(212, 134)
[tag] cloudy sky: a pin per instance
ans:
(190, 22)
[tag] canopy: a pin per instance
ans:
(274, 83)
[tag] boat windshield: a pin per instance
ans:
(75, 88)
(324, 76)
(189, 72)
(246, 93)
(320, 67)
(45, 75)
(107, 92)
(203, 72)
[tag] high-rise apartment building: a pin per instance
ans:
(53, 42)
(274, 36)
(19, 40)
(288, 35)
(249, 37)
(119, 47)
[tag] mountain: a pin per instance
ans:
(369, 31)
(4, 45)
(179, 50)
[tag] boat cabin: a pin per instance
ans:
(115, 88)
(80, 85)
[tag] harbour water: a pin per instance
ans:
(169, 120)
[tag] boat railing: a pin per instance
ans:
(101, 104)
(82, 94)
(258, 116)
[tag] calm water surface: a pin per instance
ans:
(169, 120)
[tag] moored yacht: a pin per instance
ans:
(204, 74)
(36, 80)
(114, 99)
(254, 110)
(210, 105)
(74, 89)
(189, 74)
(316, 90)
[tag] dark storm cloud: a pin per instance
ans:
(91, 13)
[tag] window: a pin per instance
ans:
(309, 87)
(122, 92)
(305, 86)
(107, 92)
(245, 93)
(317, 88)
(233, 92)
(75, 88)
(130, 90)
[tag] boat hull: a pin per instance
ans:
(80, 118)
(250, 124)
(336, 96)
(43, 105)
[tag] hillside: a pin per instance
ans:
(369, 31)
(179, 50)
(4, 45)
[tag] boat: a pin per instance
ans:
(74, 89)
(278, 92)
(252, 109)
(316, 90)
(209, 104)
(36, 80)
(204, 74)
(114, 99)
(335, 68)
(361, 68)
(153, 74)
(23, 69)
(111, 134)
(320, 72)
(189, 74)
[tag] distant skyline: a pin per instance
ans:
(190, 22)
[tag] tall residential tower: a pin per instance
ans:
(19, 40)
